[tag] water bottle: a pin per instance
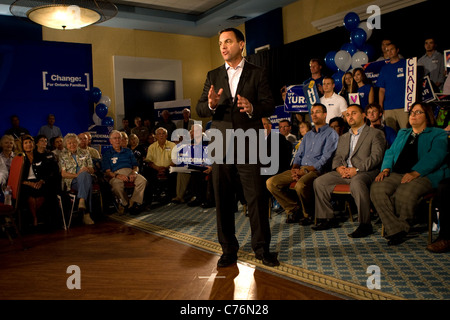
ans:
(8, 195)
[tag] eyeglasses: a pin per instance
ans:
(417, 112)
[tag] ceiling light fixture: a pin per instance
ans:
(64, 14)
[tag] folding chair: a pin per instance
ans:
(344, 189)
(8, 212)
(73, 198)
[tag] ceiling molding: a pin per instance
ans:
(385, 6)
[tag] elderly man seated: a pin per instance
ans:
(159, 161)
(120, 166)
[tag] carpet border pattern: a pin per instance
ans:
(338, 286)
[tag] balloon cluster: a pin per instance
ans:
(101, 109)
(353, 54)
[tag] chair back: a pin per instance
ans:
(15, 174)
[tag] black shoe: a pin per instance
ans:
(306, 221)
(207, 205)
(268, 259)
(194, 203)
(292, 218)
(363, 230)
(226, 260)
(397, 238)
(325, 225)
(135, 209)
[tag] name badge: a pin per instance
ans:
(114, 160)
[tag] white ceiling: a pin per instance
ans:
(202, 18)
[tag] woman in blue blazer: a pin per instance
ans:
(412, 167)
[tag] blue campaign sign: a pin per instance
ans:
(372, 70)
(279, 114)
(300, 98)
(427, 90)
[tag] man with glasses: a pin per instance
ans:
(357, 162)
(312, 159)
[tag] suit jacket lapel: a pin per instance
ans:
(361, 139)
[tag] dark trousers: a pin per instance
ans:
(253, 186)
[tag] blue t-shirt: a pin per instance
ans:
(393, 79)
(364, 92)
(118, 160)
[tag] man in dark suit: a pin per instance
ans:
(237, 95)
(357, 162)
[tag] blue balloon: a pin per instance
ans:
(101, 110)
(108, 121)
(351, 21)
(96, 94)
(369, 50)
(358, 37)
(329, 61)
(337, 77)
(350, 48)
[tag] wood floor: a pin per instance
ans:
(117, 262)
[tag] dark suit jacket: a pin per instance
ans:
(253, 85)
(368, 153)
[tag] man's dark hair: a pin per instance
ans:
(358, 106)
(324, 108)
(285, 120)
(239, 35)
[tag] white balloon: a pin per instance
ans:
(363, 25)
(359, 59)
(96, 119)
(105, 100)
(343, 60)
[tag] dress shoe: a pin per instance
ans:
(207, 205)
(306, 221)
(135, 209)
(397, 238)
(363, 230)
(439, 246)
(226, 260)
(325, 225)
(177, 200)
(292, 217)
(268, 259)
(194, 203)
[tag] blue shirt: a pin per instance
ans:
(364, 92)
(114, 160)
(317, 148)
(353, 141)
(393, 79)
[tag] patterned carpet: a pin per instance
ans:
(326, 259)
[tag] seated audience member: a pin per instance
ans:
(120, 166)
(303, 129)
(311, 160)
(124, 141)
(4, 173)
(348, 86)
(412, 167)
(76, 170)
(442, 243)
(167, 124)
(364, 88)
(138, 150)
(140, 130)
(41, 180)
(50, 130)
(159, 161)
(199, 181)
(374, 114)
(335, 104)
(339, 125)
(16, 130)
(7, 145)
(284, 147)
(185, 123)
(357, 161)
(125, 126)
(83, 144)
(285, 129)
